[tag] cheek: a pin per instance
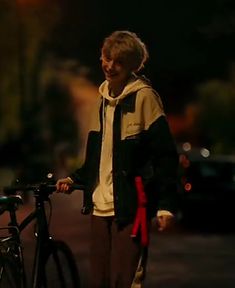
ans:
(125, 74)
(103, 66)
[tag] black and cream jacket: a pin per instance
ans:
(141, 144)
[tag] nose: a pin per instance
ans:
(110, 64)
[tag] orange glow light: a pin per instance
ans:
(188, 187)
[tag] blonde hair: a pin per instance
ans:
(127, 46)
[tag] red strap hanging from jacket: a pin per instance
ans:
(140, 223)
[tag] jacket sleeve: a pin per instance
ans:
(160, 159)
(88, 169)
(164, 159)
(79, 175)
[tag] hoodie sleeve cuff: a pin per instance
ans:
(164, 212)
(70, 180)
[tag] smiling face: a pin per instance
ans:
(122, 54)
(116, 70)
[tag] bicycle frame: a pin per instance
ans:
(43, 237)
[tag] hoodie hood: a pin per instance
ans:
(134, 84)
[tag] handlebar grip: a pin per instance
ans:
(72, 187)
(41, 187)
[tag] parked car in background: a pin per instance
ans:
(207, 191)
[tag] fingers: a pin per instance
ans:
(164, 222)
(161, 223)
(63, 186)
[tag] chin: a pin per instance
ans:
(111, 79)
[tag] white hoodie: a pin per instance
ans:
(148, 109)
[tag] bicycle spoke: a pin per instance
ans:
(9, 277)
(60, 268)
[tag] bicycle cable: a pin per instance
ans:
(50, 213)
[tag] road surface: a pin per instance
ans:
(177, 260)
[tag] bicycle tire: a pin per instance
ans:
(10, 276)
(60, 269)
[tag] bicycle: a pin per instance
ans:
(54, 264)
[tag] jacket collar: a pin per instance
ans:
(127, 104)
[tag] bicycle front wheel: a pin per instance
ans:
(60, 268)
(10, 276)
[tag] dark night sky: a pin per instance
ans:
(188, 41)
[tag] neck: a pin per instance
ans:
(117, 88)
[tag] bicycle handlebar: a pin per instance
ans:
(47, 188)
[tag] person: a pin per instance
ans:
(129, 136)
